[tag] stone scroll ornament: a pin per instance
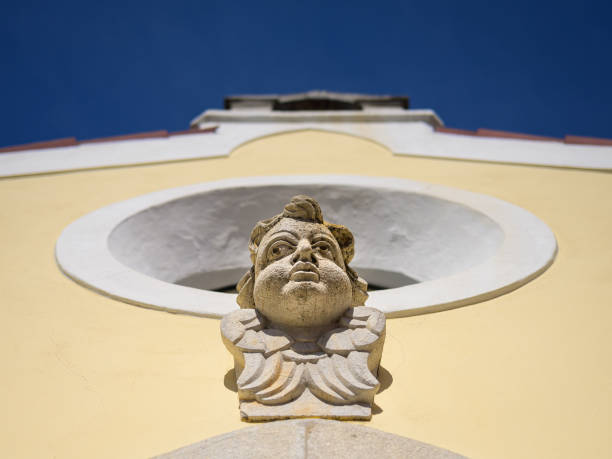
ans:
(303, 343)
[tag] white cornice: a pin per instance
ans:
(407, 136)
(367, 116)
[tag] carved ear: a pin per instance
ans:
(245, 290)
(260, 230)
(345, 239)
(360, 287)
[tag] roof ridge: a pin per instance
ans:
(483, 132)
(72, 141)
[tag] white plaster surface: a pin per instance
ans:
(405, 133)
(460, 247)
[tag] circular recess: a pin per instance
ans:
(425, 247)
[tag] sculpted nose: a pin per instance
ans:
(303, 252)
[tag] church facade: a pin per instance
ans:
(489, 253)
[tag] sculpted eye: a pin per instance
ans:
(324, 249)
(279, 249)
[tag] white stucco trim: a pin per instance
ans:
(380, 115)
(400, 133)
(527, 249)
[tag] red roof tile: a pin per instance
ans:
(64, 142)
(570, 139)
(71, 141)
(140, 135)
(587, 140)
(513, 135)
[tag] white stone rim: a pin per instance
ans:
(528, 249)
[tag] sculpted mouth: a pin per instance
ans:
(304, 272)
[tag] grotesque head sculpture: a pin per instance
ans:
(303, 343)
(300, 275)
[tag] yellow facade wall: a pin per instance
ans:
(528, 374)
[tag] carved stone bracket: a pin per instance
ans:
(303, 344)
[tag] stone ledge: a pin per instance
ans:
(305, 403)
(310, 438)
(356, 116)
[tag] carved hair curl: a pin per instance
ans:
(303, 208)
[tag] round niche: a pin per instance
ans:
(421, 247)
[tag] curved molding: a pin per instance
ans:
(409, 133)
(527, 249)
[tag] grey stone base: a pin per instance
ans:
(311, 439)
(305, 406)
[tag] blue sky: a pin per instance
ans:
(88, 69)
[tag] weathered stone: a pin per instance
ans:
(307, 347)
(363, 339)
(312, 439)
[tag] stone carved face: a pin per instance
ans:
(310, 349)
(300, 275)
